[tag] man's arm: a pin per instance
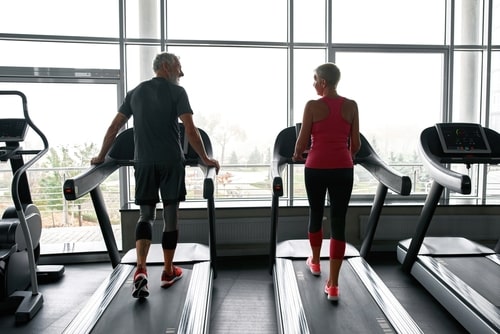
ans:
(117, 123)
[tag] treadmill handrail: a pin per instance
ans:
(452, 180)
(88, 180)
(385, 174)
(122, 154)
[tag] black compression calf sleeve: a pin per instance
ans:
(143, 230)
(169, 239)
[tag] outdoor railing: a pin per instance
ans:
(235, 184)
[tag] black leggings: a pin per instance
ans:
(339, 184)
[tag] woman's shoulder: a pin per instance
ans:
(315, 104)
(349, 104)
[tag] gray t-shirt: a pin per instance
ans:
(156, 105)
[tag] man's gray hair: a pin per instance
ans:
(163, 58)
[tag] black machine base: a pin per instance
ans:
(29, 306)
(49, 273)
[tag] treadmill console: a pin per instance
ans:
(463, 138)
(13, 129)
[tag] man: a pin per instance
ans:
(156, 105)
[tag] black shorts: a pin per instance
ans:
(154, 179)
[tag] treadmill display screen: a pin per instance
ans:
(463, 138)
(13, 129)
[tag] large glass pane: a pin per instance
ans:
(69, 55)
(92, 18)
(142, 18)
(468, 22)
(239, 97)
(308, 25)
(389, 21)
(493, 176)
(139, 65)
(396, 101)
(257, 20)
(305, 61)
(74, 119)
(495, 91)
(496, 23)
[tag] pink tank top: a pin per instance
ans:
(330, 139)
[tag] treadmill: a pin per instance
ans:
(366, 304)
(462, 275)
(183, 307)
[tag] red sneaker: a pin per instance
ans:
(168, 280)
(140, 286)
(314, 268)
(332, 292)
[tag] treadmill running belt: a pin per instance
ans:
(479, 273)
(159, 313)
(355, 312)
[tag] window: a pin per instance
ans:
(73, 124)
(57, 55)
(496, 23)
(235, 94)
(389, 22)
(309, 25)
(305, 62)
(227, 20)
(60, 17)
(493, 171)
(398, 95)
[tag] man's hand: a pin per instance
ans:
(96, 161)
(212, 163)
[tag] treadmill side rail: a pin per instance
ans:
(495, 258)
(399, 318)
(195, 317)
(290, 311)
(457, 296)
(87, 318)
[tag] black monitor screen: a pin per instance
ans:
(13, 129)
(462, 138)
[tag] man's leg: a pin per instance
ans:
(143, 237)
(170, 236)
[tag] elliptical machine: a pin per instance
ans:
(21, 225)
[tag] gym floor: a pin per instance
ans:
(242, 298)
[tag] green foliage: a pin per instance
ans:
(57, 161)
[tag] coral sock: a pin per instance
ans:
(337, 249)
(315, 238)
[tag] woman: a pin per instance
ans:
(331, 124)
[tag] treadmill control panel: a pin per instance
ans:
(463, 138)
(13, 129)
